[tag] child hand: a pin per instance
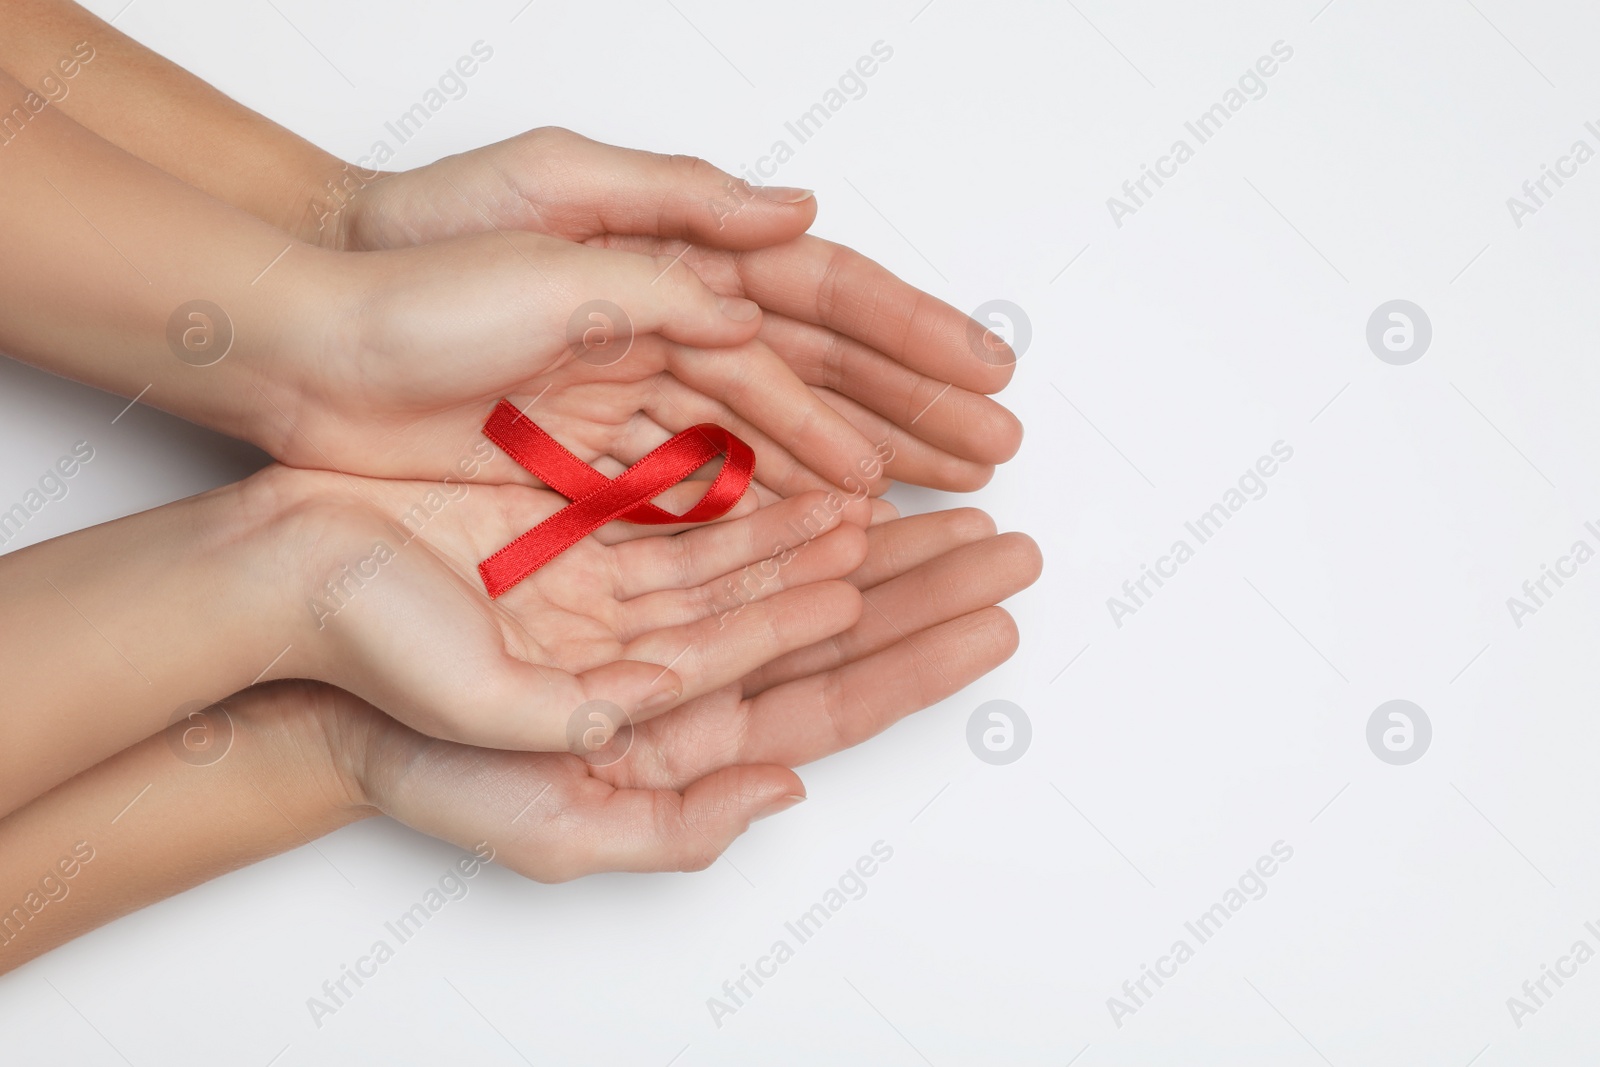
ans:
(382, 583)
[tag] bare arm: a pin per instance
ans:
(668, 794)
(147, 824)
(103, 251)
(897, 364)
(156, 110)
(107, 633)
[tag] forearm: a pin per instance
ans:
(104, 250)
(145, 825)
(108, 633)
(159, 112)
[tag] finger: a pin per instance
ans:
(956, 583)
(966, 424)
(762, 388)
(646, 565)
(909, 458)
(812, 717)
(606, 189)
(819, 715)
(679, 499)
(864, 513)
(882, 511)
(712, 652)
(652, 830)
(777, 465)
(452, 678)
(578, 404)
(668, 407)
(526, 707)
(469, 522)
(811, 559)
(617, 695)
(654, 294)
(829, 285)
(899, 545)
(673, 406)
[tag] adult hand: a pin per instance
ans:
(899, 364)
(300, 759)
(673, 792)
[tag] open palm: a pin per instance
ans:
(635, 618)
(671, 793)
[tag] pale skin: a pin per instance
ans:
(306, 759)
(490, 254)
(371, 585)
(417, 344)
(372, 333)
(345, 580)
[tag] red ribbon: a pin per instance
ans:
(596, 499)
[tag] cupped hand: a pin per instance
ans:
(380, 582)
(899, 364)
(613, 352)
(673, 792)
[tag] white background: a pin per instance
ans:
(1168, 754)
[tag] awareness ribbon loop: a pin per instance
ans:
(596, 499)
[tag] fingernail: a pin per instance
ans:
(781, 804)
(739, 309)
(659, 701)
(783, 194)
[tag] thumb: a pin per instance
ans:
(644, 830)
(626, 191)
(621, 295)
(527, 707)
(630, 688)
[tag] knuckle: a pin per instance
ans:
(972, 524)
(699, 855)
(695, 169)
(552, 136)
(830, 293)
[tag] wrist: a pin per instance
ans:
(318, 738)
(254, 570)
(329, 203)
(295, 533)
(370, 751)
(358, 757)
(294, 333)
(201, 568)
